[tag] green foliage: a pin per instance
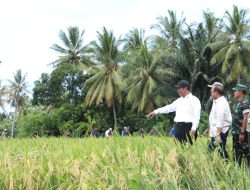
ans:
(64, 85)
(132, 80)
(233, 52)
(32, 124)
(3, 94)
(141, 73)
(170, 28)
(5, 124)
(72, 51)
(203, 125)
(136, 121)
(18, 93)
(105, 84)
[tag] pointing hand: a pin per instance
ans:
(151, 114)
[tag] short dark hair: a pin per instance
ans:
(218, 89)
(183, 84)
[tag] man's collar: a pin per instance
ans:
(188, 95)
(218, 99)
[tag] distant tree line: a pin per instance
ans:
(114, 82)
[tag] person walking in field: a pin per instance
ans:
(220, 120)
(94, 132)
(108, 133)
(125, 131)
(187, 110)
(239, 125)
(4, 133)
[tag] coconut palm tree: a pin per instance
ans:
(211, 25)
(169, 28)
(104, 85)
(188, 62)
(17, 95)
(18, 91)
(3, 94)
(73, 50)
(233, 51)
(141, 73)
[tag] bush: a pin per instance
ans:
(32, 124)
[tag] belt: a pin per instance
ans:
(183, 123)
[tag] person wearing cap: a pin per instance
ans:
(125, 131)
(187, 110)
(220, 120)
(210, 100)
(240, 116)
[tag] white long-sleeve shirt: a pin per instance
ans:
(187, 109)
(220, 116)
(108, 133)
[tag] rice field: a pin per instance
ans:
(115, 163)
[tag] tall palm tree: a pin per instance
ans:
(3, 94)
(170, 28)
(188, 62)
(104, 85)
(141, 73)
(73, 51)
(18, 94)
(233, 51)
(211, 26)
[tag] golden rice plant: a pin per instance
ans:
(116, 163)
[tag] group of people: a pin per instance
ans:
(109, 132)
(187, 110)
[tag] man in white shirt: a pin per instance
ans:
(220, 119)
(108, 133)
(187, 113)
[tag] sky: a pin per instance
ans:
(28, 28)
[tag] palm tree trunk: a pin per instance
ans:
(114, 114)
(13, 124)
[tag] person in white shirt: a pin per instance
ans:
(187, 110)
(220, 119)
(108, 133)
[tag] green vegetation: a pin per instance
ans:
(115, 163)
(115, 81)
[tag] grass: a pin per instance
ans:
(115, 163)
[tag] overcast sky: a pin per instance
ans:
(28, 28)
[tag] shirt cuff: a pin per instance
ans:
(194, 127)
(156, 112)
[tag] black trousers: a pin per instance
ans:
(248, 136)
(241, 149)
(181, 132)
(222, 151)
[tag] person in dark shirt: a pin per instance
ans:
(240, 115)
(125, 131)
(94, 132)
